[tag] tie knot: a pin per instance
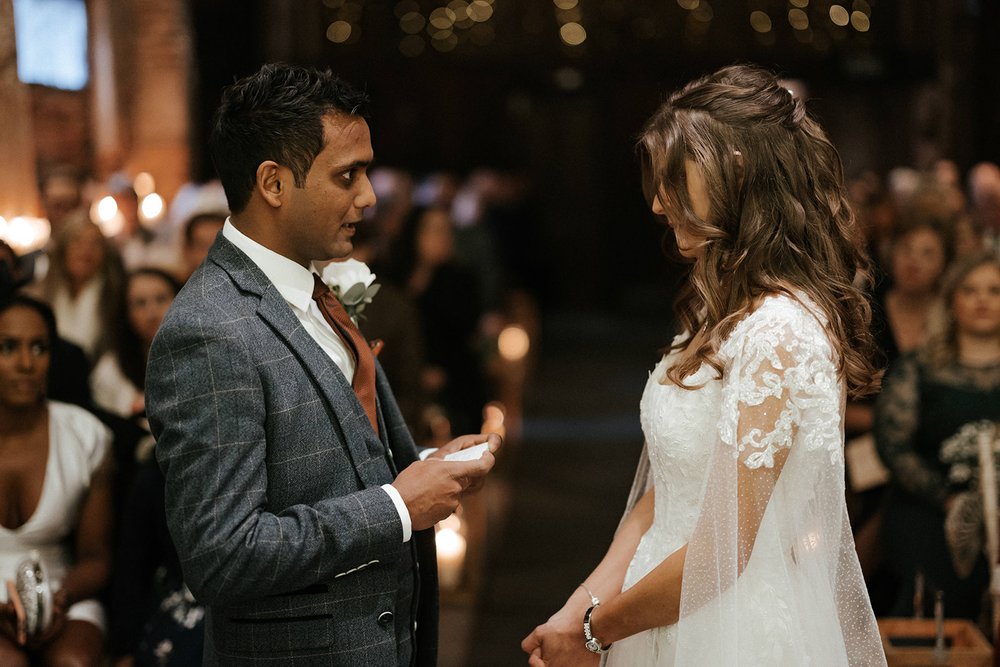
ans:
(319, 288)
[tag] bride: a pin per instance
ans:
(735, 548)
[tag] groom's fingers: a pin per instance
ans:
(495, 442)
(535, 659)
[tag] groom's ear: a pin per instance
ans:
(271, 182)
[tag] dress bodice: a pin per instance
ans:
(679, 425)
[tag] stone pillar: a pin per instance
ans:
(141, 52)
(160, 110)
(106, 115)
(19, 186)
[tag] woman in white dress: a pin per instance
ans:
(736, 548)
(55, 497)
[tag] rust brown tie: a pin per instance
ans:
(364, 360)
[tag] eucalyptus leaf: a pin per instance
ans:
(354, 294)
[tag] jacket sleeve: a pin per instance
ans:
(207, 408)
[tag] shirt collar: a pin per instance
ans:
(293, 281)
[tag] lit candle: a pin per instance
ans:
(450, 557)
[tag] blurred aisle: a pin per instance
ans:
(566, 484)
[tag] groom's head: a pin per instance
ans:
(276, 114)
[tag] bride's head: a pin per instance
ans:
(754, 192)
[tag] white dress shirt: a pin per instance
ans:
(295, 284)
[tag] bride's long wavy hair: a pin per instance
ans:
(779, 219)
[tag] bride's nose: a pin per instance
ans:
(657, 206)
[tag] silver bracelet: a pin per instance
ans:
(594, 600)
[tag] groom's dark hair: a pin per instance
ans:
(275, 114)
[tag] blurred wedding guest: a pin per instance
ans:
(951, 381)
(61, 190)
(196, 216)
(119, 377)
(984, 196)
(67, 380)
(920, 252)
(54, 496)
(83, 285)
(138, 244)
(394, 192)
(199, 235)
(394, 319)
(155, 620)
(423, 264)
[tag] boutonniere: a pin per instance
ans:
(353, 283)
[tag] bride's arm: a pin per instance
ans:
(605, 581)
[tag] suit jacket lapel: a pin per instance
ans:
(358, 435)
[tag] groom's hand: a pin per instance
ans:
(432, 489)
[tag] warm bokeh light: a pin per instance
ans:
(151, 208)
(480, 10)
(760, 21)
(25, 234)
(105, 213)
(860, 21)
(105, 209)
(442, 18)
(801, 4)
(144, 184)
(513, 343)
(339, 32)
(689, 4)
(412, 23)
(839, 15)
(461, 11)
(573, 34)
(451, 548)
(703, 12)
(798, 19)
(565, 4)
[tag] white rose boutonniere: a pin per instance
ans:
(353, 283)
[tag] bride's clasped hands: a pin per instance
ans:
(560, 641)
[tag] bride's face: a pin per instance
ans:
(688, 244)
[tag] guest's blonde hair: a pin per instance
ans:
(941, 347)
(779, 218)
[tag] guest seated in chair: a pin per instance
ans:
(55, 498)
(930, 399)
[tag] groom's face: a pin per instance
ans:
(326, 211)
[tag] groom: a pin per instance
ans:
(301, 512)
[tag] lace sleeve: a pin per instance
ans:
(771, 567)
(897, 414)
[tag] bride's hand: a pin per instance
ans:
(559, 643)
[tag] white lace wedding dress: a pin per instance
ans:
(748, 470)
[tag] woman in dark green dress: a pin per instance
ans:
(929, 395)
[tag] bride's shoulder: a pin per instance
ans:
(779, 317)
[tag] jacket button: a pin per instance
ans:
(385, 618)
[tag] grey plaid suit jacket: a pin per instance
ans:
(272, 484)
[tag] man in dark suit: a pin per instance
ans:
(301, 511)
